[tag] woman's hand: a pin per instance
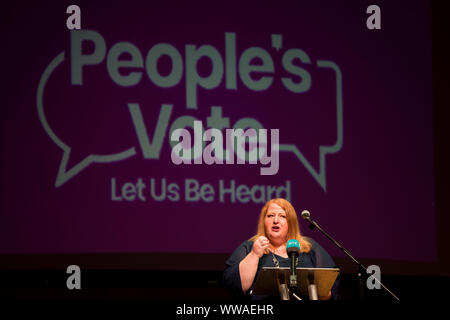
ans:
(260, 245)
(249, 265)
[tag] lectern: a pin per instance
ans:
(313, 282)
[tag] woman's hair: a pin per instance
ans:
(293, 227)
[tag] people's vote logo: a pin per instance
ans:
(289, 70)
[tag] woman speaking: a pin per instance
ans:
(277, 224)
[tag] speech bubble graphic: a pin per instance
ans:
(65, 174)
(320, 175)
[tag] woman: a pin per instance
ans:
(277, 224)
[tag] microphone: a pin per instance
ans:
(293, 250)
(306, 215)
(361, 269)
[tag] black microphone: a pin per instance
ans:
(361, 269)
(306, 215)
(293, 250)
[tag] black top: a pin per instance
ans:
(317, 257)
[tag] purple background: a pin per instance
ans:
(379, 197)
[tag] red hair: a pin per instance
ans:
(292, 220)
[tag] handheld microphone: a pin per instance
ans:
(293, 250)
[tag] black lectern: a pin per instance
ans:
(313, 282)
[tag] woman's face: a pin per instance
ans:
(276, 224)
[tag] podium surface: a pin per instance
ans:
(270, 278)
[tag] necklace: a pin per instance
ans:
(276, 263)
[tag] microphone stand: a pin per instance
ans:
(361, 269)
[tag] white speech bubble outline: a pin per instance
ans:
(63, 175)
(320, 176)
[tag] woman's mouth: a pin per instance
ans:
(275, 228)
